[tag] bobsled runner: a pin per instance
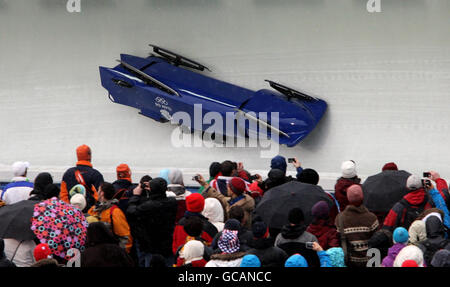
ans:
(165, 83)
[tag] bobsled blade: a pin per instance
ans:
(253, 118)
(150, 79)
(177, 59)
(289, 92)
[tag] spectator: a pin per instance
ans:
(227, 169)
(437, 199)
(193, 254)
(83, 173)
(356, 225)
(40, 191)
(417, 232)
(20, 186)
(176, 189)
(107, 211)
(321, 227)
(250, 260)
(4, 261)
(293, 237)
(441, 258)
(404, 212)
(214, 212)
(337, 257)
(410, 252)
(102, 249)
(236, 197)
(263, 247)
(348, 178)
(43, 256)
(214, 172)
(165, 175)
(308, 175)
(389, 166)
(436, 238)
(400, 238)
(229, 255)
(153, 221)
(195, 204)
(124, 186)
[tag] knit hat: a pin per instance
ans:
(348, 169)
(84, 153)
(355, 195)
(389, 166)
(296, 216)
(237, 185)
(195, 203)
(336, 255)
(320, 210)
(123, 172)
(413, 182)
(410, 263)
(250, 260)
(259, 229)
(400, 235)
(410, 252)
(158, 186)
(78, 200)
(296, 260)
(192, 251)
(278, 162)
(19, 168)
(441, 258)
(229, 241)
(232, 224)
(309, 175)
(42, 251)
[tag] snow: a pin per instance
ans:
(385, 76)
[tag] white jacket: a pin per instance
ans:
(19, 189)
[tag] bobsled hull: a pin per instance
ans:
(160, 87)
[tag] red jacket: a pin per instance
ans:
(415, 199)
(325, 233)
(180, 236)
(340, 190)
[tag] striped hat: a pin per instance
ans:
(229, 241)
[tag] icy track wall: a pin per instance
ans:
(385, 76)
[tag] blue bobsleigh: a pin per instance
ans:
(166, 83)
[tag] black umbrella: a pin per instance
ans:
(15, 220)
(383, 190)
(276, 203)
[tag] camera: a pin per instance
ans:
(309, 245)
(426, 174)
(195, 178)
(291, 160)
(426, 183)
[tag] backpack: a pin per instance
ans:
(90, 191)
(409, 213)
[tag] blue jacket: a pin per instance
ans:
(440, 203)
(324, 259)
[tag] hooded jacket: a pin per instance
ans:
(340, 190)
(435, 239)
(153, 220)
(417, 199)
(268, 254)
(388, 261)
(214, 212)
(19, 189)
(102, 249)
(325, 233)
(180, 193)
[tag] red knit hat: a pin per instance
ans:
(237, 185)
(355, 195)
(410, 263)
(195, 203)
(389, 166)
(84, 153)
(42, 251)
(123, 171)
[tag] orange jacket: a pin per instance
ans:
(120, 224)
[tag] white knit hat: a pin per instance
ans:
(78, 201)
(413, 182)
(348, 169)
(410, 252)
(20, 167)
(193, 251)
